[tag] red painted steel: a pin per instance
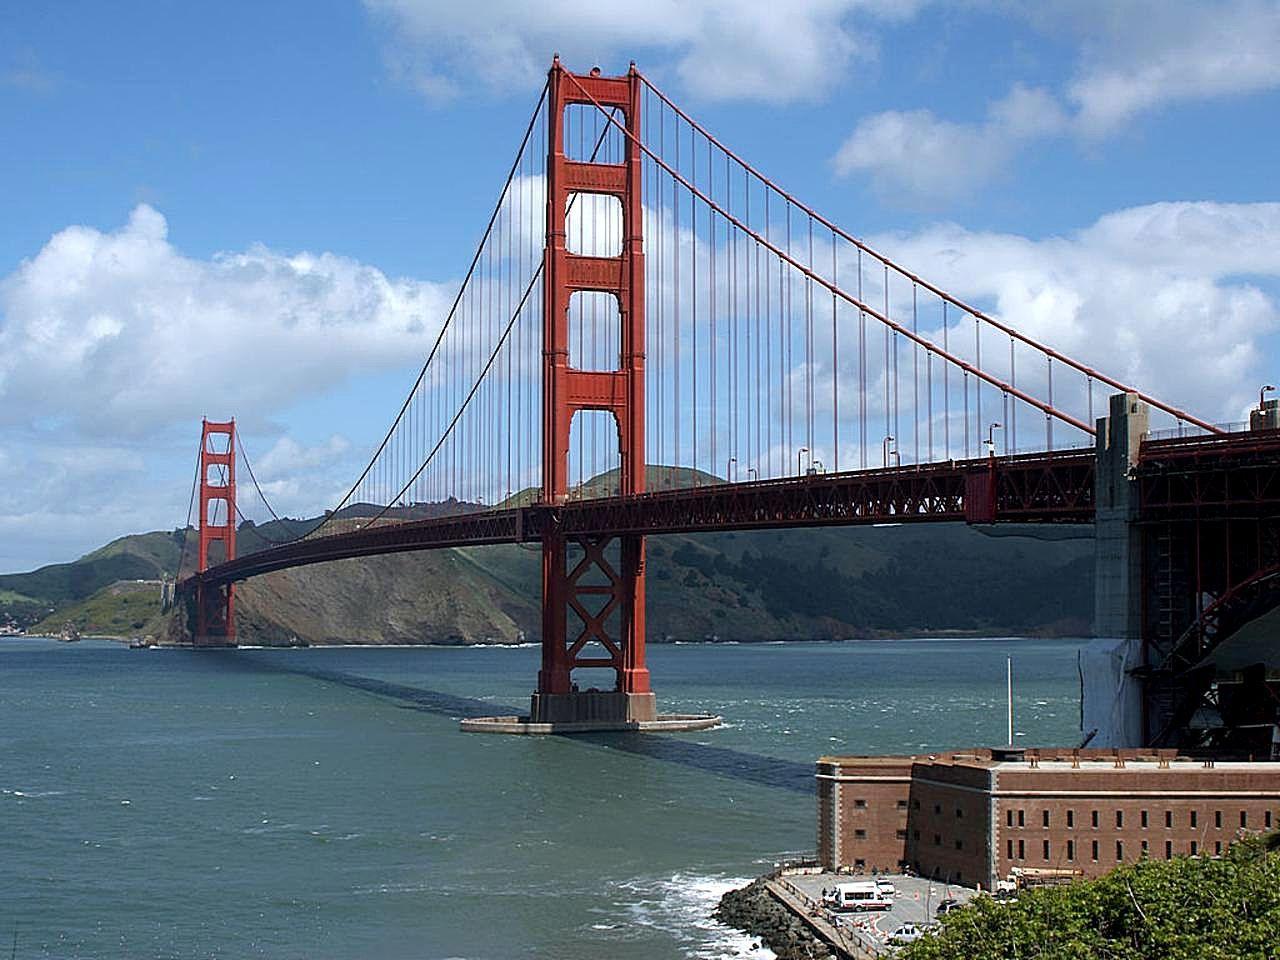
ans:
(215, 603)
(925, 284)
(1031, 488)
(566, 591)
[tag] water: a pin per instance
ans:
(323, 804)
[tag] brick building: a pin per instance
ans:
(970, 817)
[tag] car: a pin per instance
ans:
(946, 906)
(907, 933)
(886, 888)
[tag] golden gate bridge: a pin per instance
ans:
(652, 337)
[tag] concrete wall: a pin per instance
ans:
(1112, 701)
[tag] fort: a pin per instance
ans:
(971, 817)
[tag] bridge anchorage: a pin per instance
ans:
(654, 338)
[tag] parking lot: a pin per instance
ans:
(916, 901)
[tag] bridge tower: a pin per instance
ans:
(592, 588)
(215, 624)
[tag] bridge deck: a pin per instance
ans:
(1053, 487)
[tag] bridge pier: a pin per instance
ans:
(1112, 699)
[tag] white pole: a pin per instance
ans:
(1009, 694)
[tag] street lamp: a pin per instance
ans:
(885, 448)
(991, 438)
(1262, 395)
(799, 454)
(752, 471)
(728, 469)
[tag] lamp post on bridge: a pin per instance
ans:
(991, 438)
(886, 446)
(728, 469)
(752, 471)
(1262, 395)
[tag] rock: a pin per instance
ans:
(754, 910)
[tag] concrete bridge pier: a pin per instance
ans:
(1112, 699)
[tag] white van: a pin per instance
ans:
(863, 895)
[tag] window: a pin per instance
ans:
(915, 804)
(1071, 849)
(860, 834)
(1266, 819)
(1145, 848)
(1095, 819)
(1217, 848)
(1009, 849)
(1168, 819)
(1119, 850)
(1022, 818)
(1143, 818)
(1195, 818)
(1008, 818)
(1119, 819)
(902, 804)
(915, 835)
(1195, 848)
(1217, 819)
(959, 814)
(937, 809)
(959, 845)
(1022, 850)
(1044, 818)
(1244, 818)
(1071, 819)
(901, 834)
(1046, 850)
(937, 839)
(1168, 849)
(1095, 851)
(860, 804)
(859, 864)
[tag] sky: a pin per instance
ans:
(262, 210)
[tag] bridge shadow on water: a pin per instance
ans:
(752, 768)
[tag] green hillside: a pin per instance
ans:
(790, 584)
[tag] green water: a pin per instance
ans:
(323, 804)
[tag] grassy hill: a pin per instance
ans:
(793, 584)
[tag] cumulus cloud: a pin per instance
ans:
(1166, 296)
(721, 49)
(1134, 57)
(119, 331)
(929, 159)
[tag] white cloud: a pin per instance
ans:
(1156, 296)
(1141, 56)
(721, 49)
(1134, 57)
(119, 331)
(930, 159)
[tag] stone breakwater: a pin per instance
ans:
(756, 911)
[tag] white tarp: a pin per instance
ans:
(1110, 699)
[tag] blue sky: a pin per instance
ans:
(176, 177)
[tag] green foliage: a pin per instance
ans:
(1187, 908)
(119, 610)
(145, 556)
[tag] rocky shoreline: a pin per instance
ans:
(754, 910)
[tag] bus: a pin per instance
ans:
(863, 895)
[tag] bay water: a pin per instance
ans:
(322, 803)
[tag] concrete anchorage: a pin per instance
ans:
(1112, 705)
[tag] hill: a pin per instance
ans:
(820, 583)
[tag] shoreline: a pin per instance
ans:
(941, 637)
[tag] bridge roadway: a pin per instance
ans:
(1043, 487)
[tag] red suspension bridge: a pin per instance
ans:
(654, 337)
